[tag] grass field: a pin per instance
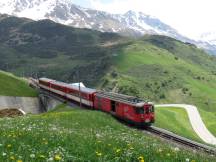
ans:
(11, 85)
(177, 121)
(83, 135)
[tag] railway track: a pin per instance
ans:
(181, 140)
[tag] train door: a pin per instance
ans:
(113, 106)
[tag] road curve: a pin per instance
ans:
(196, 122)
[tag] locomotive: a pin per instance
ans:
(128, 108)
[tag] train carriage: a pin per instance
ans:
(87, 94)
(70, 92)
(125, 107)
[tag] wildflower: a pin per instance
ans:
(50, 159)
(57, 157)
(41, 156)
(118, 150)
(4, 154)
(9, 146)
(32, 156)
(187, 160)
(98, 153)
(141, 159)
(12, 158)
(176, 149)
(160, 150)
(19, 161)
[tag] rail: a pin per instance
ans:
(181, 140)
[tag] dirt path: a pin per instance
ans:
(196, 122)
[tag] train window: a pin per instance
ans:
(139, 110)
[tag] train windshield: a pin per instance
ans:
(148, 108)
(140, 110)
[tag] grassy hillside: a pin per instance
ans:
(45, 48)
(82, 135)
(164, 70)
(11, 85)
(177, 121)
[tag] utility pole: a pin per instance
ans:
(78, 75)
(79, 88)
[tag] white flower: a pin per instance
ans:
(176, 149)
(187, 160)
(32, 156)
(50, 159)
(4, 154)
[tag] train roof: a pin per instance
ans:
(83, 89)
(134, 101)
(75, 87)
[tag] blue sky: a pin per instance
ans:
(189, 17)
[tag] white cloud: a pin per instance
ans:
(189, 17)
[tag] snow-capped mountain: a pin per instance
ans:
(209, 37)
(65, 12)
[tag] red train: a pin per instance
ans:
(125, 107)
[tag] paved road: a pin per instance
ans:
(196, 122)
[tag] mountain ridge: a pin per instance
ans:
(65, 12)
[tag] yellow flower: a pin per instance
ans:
(98, 153)
(9, 146)
(19, 161)
(140, 158)
(41, 156)
(12, 158)
(57, 157)
(118, 150)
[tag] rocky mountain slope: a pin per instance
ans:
(65, 12)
